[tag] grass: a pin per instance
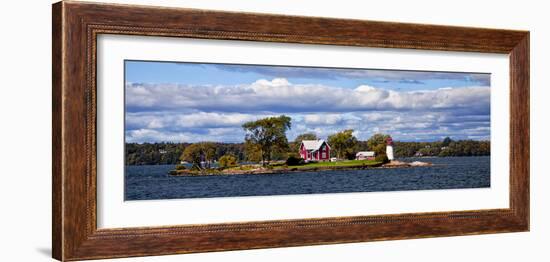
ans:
(281, 167)
(345, 163)
(243, 167)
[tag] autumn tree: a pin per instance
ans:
(343, 143)
(209, 151)
(227, 161)
(193, 155)
(268, 134)
(198, 153)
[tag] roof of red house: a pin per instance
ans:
(313, 144)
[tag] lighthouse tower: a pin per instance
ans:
(389, 148)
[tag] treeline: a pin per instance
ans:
(170, 153)
(444, 148)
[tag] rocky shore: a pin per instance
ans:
(398, 164)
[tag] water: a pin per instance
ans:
(153, 182)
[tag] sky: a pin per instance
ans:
(193, 102)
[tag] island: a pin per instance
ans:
(278, 168)
(313, 154)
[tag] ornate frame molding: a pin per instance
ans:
(76, 26)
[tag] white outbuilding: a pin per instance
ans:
(362, 155)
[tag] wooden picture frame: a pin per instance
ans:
(76, 26)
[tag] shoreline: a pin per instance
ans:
(266, 171)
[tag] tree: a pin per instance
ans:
(343, 143)
(209, 152)
(252, 152)
(377, 143)
(446, 141)
(199, 152)
(269, 134)
(227, 161)
(305, 136)
(193, 155)
(295, 146)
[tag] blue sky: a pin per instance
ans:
(191, 102)
(227, 74)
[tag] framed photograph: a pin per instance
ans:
(182, 130)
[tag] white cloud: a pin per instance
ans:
(402, 125)
(149, 135)
(159, 120)
(208, 134)
(183, 113)
(279, 95)
(322, 119)
(411, 77)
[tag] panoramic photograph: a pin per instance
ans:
(203, 130)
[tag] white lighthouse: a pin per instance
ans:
(389, 148)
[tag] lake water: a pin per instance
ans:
(153, 182)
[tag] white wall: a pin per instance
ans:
(25, 157)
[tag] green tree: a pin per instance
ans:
(269, 134)
(227, 161)
(377, 143)
(343, 143)
(446, 141)
(430, 150)
(305, 136)
(252, 152)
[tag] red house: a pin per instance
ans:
(317, 150)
